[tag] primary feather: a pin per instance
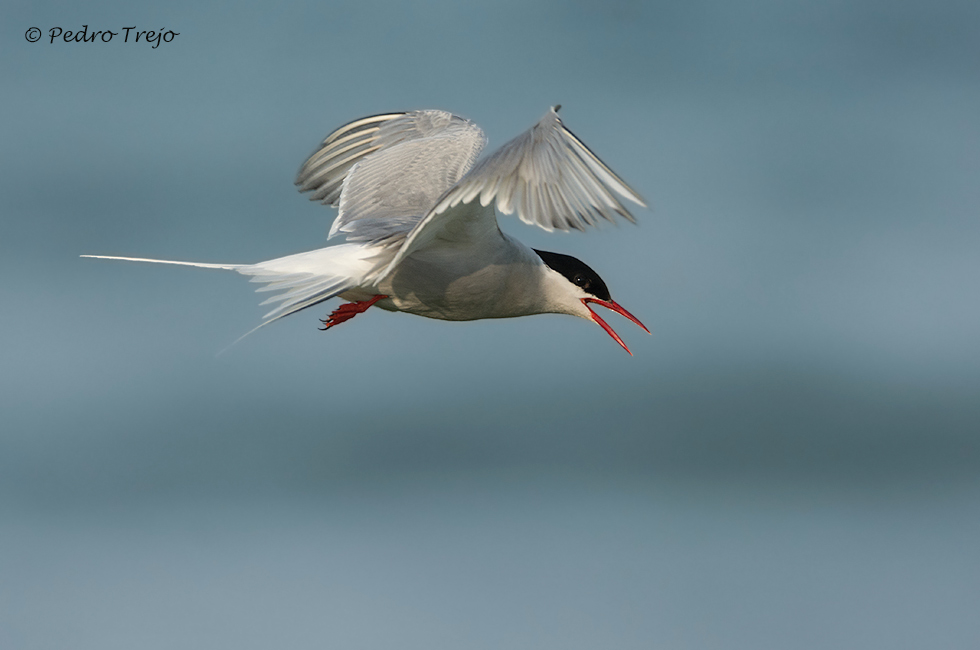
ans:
(386, 172)
(546, 174)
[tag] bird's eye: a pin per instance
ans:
(580, 280)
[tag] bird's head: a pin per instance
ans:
(579, 286)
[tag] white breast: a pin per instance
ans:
(499, 278)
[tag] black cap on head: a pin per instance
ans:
(576, 272)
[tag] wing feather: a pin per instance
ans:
(324, 171)
(385, 172)
(546, 174)
(551, 161)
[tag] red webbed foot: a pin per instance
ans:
(348, 311)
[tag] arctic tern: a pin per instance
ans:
(417, 213)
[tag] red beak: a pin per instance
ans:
(613, 305)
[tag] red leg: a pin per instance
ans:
(347, 311)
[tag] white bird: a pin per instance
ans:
(421, 232)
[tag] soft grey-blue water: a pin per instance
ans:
(792, 460)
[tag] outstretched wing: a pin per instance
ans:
(386, 172)
(324, 171)
(546, 174)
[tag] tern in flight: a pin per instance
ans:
(418, 215)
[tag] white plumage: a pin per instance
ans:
(417, 212)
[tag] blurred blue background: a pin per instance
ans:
(792, 460)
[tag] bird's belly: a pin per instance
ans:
(460, 289)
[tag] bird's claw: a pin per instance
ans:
(347, 311)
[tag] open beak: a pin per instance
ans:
(613, 305)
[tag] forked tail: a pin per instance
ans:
(305, 279)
